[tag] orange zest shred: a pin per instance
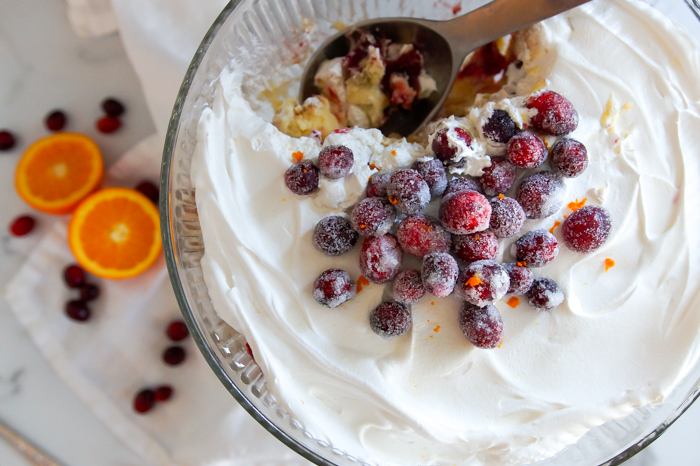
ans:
(574, 206)
(426, 227)
(298, 155)
(556, 224)
(436, 329)
(393, 200)
(522, 264)
(372, 166)
(474, 281)
(393, 152)
(432, 303)
(362, 281)
(609, 263)
(499, 345)
(513, 302)
(500, 196)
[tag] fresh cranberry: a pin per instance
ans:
(541, 195)
(390, 319)
(373, 216)
(569, 157)
(149, 190)
(433, 172)
(144, 401)
(587, 229)
(499, 177)
(335, 162)
(500, 127)
(334, 236)
(163, 393)
(408, 191)
(381, 258)
(443, 150)
(521, 278)
(545, 294)
(507, 217)
(108, 124)
(408, 287)
(476, 246)
(439, 274)
(74, 276)
(376, 187)
(527, 150)
(333, 287)
(483, 282)
(249, 350)
(56, 120)
(465, 212)
(556, 115)
(302, 178)
(174, 355)
(536, 248)
(78, 310)
(22, 225)
(456, 185)
(7, 140)
(482, 326)
(89, 292)
(113, 107)
(177, 330)
(420, 235)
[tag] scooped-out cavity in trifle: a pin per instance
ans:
(490, 290)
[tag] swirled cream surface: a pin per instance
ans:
(621, 339)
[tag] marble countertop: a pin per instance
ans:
(45, 66)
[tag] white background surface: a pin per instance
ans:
(43, 66)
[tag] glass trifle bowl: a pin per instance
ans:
(273, 40)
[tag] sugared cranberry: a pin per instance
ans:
(500, 127)
(408, 287)
(89, 292)
(381, 258)
(476, 246)
(163, 393)
(465, 212)
(545, 294)
(56, 120)
(74, 276)
(7, 140)
(408, 191)
(483, 282)
(507, 217)
(390, 319)
(439, 274)
(569, 157)
(108, 124)
(373, 216)
(302, 178)
(541, 195)
(420, 235)
(527, 150)
(482, 326)
(149, 190)
(458, 184)
(144, 401)
(556, 115)
(334, 236)
(113, 107)
(521, 278)
(587, 229)
(499, 177)
(376, 187)
(433, 172)
(335, 162)
(177, 330)
(333, 287)
(536, 248)
(443, 149)
(22, 225)
(78, 310)
(174, 355)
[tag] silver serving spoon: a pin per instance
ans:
(444, 44)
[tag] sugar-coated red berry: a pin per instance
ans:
(556, 115)
(333, 287)
(527, 150)
(545, 294)
(500, 127)
(439, 274)
(482, 326)
(22, 225)
(150, 190)
(302, 178)
(177, 330)
(521, 278)
(89, 292)
(381, 258)
(74, 276)
(108, 124)
(376, 187)
(174, 355)
(476, 246)
(7, 140)
(420, 235)
(163, 393)
(144, 401)
(335, 162)
(536, 248)
(78, 310)
(334, 236)
(408, 191)
(373, 216)
(433, 172)
(499, 177)
(443, 149)
(390, 320)
(458, 184)
(507, 217)
(113, 107)
(465, 212)
(569, 157)
(56, 120)
(408, 287)
(541, 195)
(587, 229)
(483, 282)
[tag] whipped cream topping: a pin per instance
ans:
(621, 339)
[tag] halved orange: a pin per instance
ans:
(115, 233)
(57, 172)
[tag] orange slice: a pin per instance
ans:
(115, 233)
(57, 172)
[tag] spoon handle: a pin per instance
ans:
(26, 449)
